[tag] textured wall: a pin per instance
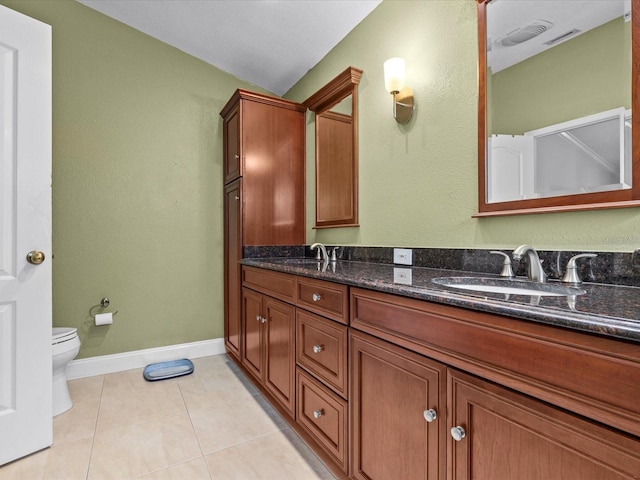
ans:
(137, 182)
(418, 183)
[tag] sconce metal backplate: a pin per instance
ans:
(404, 105)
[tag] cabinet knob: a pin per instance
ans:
(318, 413)
(263, 319)
(458, 433)
(237, 197)
(316, 297)
(237, 156)
(430, 415)
(318, 348)
(258, 318)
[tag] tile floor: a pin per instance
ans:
(212, 424)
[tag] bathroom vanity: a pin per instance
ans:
(385, 380)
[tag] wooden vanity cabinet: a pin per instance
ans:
(264, 176)
(539, 404)
(268, 333)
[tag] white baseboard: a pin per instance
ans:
(88, 367)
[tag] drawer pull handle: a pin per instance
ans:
(430, 415)
(458, 433)
(318, 348)
(316, 297)
(318, 413)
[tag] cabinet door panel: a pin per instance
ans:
(273, 172)
(232, 161)
(232, 272)
(509, 435)
(390, 390)
(280, 352)
(253, 358)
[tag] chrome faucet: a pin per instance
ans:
(322, 252)
(535, 272)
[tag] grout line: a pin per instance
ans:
(95, 429)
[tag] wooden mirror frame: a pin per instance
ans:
(586, 201)
(345, 84)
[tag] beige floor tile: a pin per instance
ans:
(193, 470)
(83, 389)
(122, 383)
(226, 424)
(212, 362)
(77, 423)
(133, 406)
(132, 451)
(280, 455)
(215, 387)
(63, 462)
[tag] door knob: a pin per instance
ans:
(35, 257)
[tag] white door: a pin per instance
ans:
(25, 226)
(510, 168)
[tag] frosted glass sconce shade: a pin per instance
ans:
(394, 73)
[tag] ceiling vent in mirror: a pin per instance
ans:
(563, 37)
(525, 33)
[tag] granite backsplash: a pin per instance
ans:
(613, 268)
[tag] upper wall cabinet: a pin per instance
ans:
(336, 117)
(264, 145)
(558, 82)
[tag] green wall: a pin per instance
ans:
(418, 182)
(137, 182)
(588, 74)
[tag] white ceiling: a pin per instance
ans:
(269, 43)
(506, 16)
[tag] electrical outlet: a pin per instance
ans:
(402, 276)
(403, 256)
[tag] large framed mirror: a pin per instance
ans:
(557, 84)
(336, 127)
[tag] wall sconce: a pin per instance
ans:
(394, 83)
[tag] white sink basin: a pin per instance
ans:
(508, 286)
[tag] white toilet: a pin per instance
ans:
(65, 345)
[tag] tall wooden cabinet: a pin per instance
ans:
(264, 175)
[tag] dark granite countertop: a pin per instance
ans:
(609, 310)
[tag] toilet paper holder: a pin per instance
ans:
(104, 303)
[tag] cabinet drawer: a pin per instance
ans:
(326, 298)
(324, 416)
(275, 284)
(321, 348)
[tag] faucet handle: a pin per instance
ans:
(334, 258)
(507, 271)
(571, 275)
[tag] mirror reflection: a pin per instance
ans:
(558, 98)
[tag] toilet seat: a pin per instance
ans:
(60, 335)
